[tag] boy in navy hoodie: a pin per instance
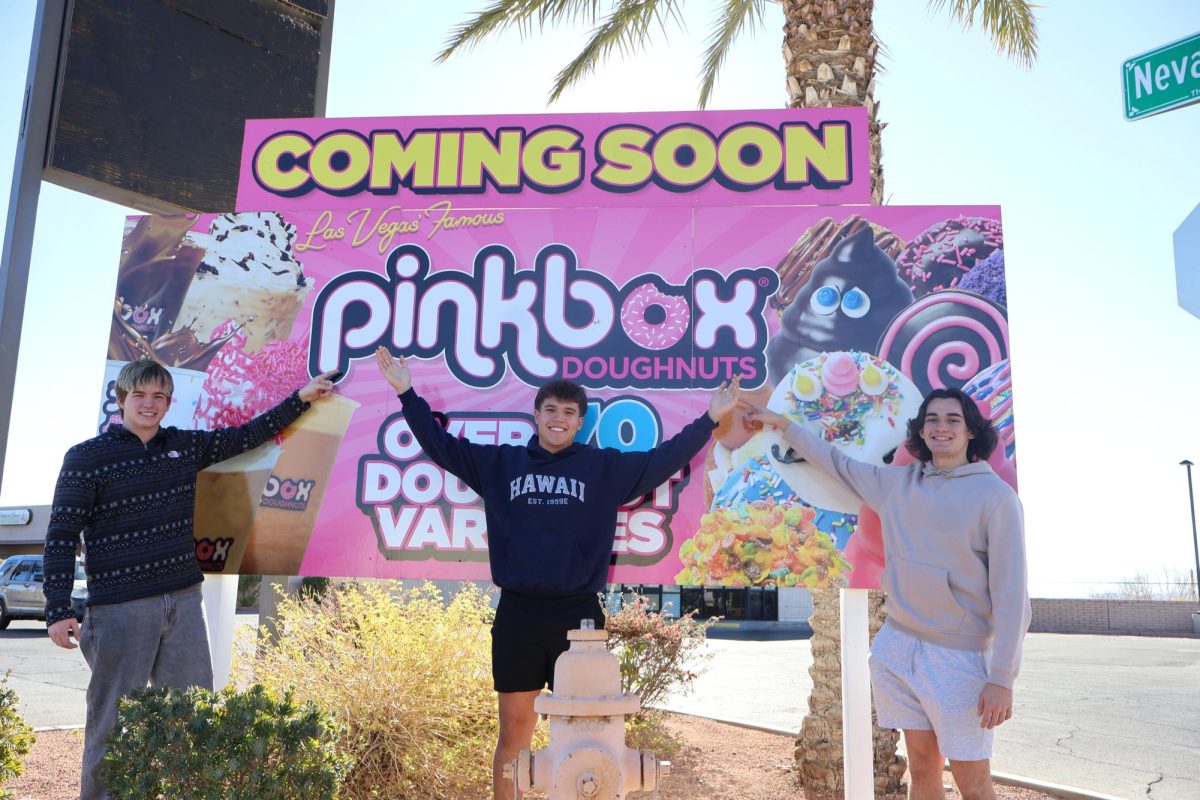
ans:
(551, 509)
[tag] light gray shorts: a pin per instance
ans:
(926, 687)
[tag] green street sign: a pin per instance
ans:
(1161, 79)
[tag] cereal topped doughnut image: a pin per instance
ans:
(854, 400)
(847, 302)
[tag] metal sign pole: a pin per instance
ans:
(23, 198)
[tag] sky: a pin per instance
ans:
(1104, 359)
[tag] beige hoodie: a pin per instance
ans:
(955, 550)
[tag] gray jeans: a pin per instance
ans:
(160, 641)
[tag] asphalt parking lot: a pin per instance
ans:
(1118, 715)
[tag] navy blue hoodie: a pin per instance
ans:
(552, 517)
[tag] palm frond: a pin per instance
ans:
(738, 14)
(627, 29)
(1010, 24)
(522, 14)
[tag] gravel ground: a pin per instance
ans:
(718, 761)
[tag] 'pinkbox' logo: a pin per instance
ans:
(290, 494)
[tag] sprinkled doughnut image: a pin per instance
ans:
(939, 257)
(945, 339)
(992, 392)
(654, 320)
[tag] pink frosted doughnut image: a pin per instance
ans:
(654, 320)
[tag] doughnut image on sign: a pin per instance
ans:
(857, 402)
(761, 544)
(846, 304)
(992, 392)
(945, 339)
(941, 255)
(653, 319)
(987, 279)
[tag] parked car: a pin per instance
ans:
(21, 595)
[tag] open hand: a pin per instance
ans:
(320, 386)
(394, 370)
(724, 399)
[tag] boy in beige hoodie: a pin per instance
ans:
(943, 666)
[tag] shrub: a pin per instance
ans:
(657, 655)
(408, 676)
(15, 737)
(247, 590)
(229, 745)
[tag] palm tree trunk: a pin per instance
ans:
(829, 51)
(819, 762)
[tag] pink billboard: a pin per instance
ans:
(813, 156)
(842, 318)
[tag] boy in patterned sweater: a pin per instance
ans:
(130, 494)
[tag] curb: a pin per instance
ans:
(1055, 789)
(59, 728)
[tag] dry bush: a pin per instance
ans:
(406, 674)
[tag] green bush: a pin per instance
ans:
(15, 737)
(228, 745)
(408, 675)
(658, 655)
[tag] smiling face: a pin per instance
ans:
(144, 407)
(945, 432)
(558, 421)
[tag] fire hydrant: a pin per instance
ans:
(587, 758)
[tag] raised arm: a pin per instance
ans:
(646, 470)
(457, 456)
(868, 482)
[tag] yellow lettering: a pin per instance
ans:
(266, 162)
(393, 161)
(449, 148)
(550, 158)
(320, 163)
(831, 158)
(731, 152)
(687, 138)
(323, 230)
(502, 162)
(623, 157)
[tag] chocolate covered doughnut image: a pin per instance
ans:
(941, 255)
(845, 305)
(945, 339)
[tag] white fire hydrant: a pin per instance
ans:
(587, 758)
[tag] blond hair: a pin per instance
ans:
(140, 373)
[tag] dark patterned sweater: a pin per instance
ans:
(133, 503)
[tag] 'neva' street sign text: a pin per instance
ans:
(1161, 79)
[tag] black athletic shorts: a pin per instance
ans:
(530, 633)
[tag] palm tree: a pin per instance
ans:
(829, 46)
(829, 54)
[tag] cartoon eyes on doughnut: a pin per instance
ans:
(825, 300)
(856, 303)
